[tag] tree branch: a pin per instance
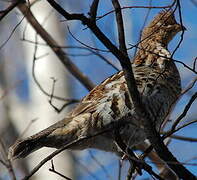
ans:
(187, 107)
(14, 4)
(72, 68)
(124, 60)
(52, 169)
(120, 25)
(67, 146)
(8, 163)
(93, 10)
(149, 129)
(139, 7)
(183, 114)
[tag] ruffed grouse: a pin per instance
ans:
(158, 82)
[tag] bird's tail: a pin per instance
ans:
(54, 136)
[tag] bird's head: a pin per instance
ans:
(163, 28)
(155, 38)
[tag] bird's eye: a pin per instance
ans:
(154, 64)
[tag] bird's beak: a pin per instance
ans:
(183, 28)
(180, 27)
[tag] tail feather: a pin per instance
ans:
(23, 148)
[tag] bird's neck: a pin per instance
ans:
(146, 42)
(149, 52)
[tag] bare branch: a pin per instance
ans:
(183, 138)
(80, 47)
(144, 23)
(185, 125)
(124, 60)
(58, 51)
(35, 58)
(183, 30)
(120, 25)
(2, 162)
(169, 133)
(93, 10)
(190, 86)
(185, 65)
(27, 127)
(42, 89)
(184, 113)
(69, 102)
(138, 7)
(87, 46)
(180, 62)
(67, 146)
(165, 171)
(194, 64)
(8, 163)
(52, 169)
(138, 164)
(12, 32)
(14, 4)
(119, 169)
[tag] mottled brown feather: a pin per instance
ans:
(157, 80)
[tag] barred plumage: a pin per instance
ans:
(158, 82)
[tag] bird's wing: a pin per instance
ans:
(100, 93)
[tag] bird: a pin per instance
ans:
(108, 105)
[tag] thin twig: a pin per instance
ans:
(3, 163)
(143, 26)
(120, 25)
(84, 44)
(14, 4)
(183, 163)
(8, 162)
(180, 62)
(93, 10)
(183, 30)
(124, 60)
(185, 65)
(183, 138)
(190, 86)
(58, 51)
(169, 133)
(52, 169)
(139, 7)
(137, 163)
(35, 58)
(184, 113)
(12, 32)
(185, 125)
(27, 128)
(194, 64)
(67, 146)
(79, 47)
(69, 102)
(119, 169)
